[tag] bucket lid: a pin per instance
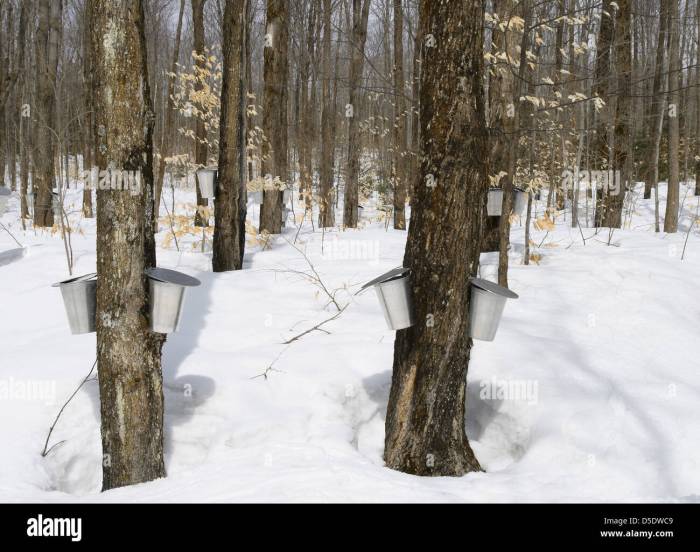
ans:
(493, 288)
(168, 276)
(206, 170)
(393, 274)
(76, 280)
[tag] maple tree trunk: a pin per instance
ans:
(274, 150)
(128, 353)
(425, 432)
(232, 162)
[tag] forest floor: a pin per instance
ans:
(603, 344)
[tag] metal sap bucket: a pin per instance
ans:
(56, 205)
(207, 180)
(285, 215)
(5, 194)
(486, 308)
(520, 201)
(80, 301)
(167, 292)
(394, 293)
(494, 205)
(255, 197)
(287, 197)
(30, 204)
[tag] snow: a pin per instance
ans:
(590, 391)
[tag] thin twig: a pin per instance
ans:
(45, 452)
(316, 327)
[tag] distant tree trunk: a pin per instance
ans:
(425, 424)
(658, 103)
(128, 354)
(89, 121)
(46, 46)
(514, 131)
(245, 119)
(360, 16)
(601, 89)
(623, 114)
(500, 114)
(201, 149)
(227, 255)
(169, 115)
(326, 213)
(399, 159)
(697, 107)
(672, 197)
(306, 123)
(274, 149)
(24, 117)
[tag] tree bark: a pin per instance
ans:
(326, 211)
(672, 196)
(48, 30)
(512, 126)
(227, 228)
(425, 432)
(399, 159)
(128, 354)
(274, 148)
(169, 115)
(201, 150)
(360, 16)
(601, 89)
(623, 113)
(88, 102)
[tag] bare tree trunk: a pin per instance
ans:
(672, 197)
(399, 160)
(360, 16)
(128, 354)
(24, 116)
(274, 148)
(50, 21)
(513, 129)
(227, 255)
(601, 146)
(425, 432)
(169, 114)
(658, 104)
(306, 123)
(697, 105)
(88, 101)
(201, 149)
(326, 212)
(623, 71)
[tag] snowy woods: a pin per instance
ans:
(330, 250)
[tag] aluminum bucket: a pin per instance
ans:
(394, 293)
(80, 300)
(206, 179)
(167, 292)
(495, 202)
(287, 196)
(255, 197)
(486, 308)
(285, 215)
(56, 205)
(520, 201)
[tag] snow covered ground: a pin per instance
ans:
(590, 392)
